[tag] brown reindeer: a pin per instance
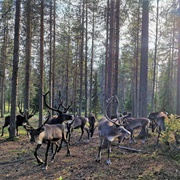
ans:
(49, 134)
(20, 119)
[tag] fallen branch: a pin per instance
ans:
(130, 149)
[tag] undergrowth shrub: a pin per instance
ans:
(172, 133)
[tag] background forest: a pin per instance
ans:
(90, 50)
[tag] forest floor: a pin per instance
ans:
(17, 161)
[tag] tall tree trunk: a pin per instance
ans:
(136, 102)
(110, 85)
(92, 62)
(50, 56)
(144, 59)
(116, 56)
(2, 74)
(41, 65)
(54, 53)
(28, 54)
(86, 59)
(81, 61)
(178, 72)
(107, 55)
(155, 58)
(12, 133)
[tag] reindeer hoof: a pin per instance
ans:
(44, 167)
(40, 162)
(108, 162)
(98, 159)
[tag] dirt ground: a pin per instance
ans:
(17, 161)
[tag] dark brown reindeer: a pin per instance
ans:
(20, 119)
(49, 134)
(82, 123)
(158, 121)
(108, 131)
(92, 121)
(79, 122)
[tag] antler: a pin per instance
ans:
(20, 110)
(49, 114)
(53, 109)
(33, 112)
(108, 102)
(118, 114)
(61, 104)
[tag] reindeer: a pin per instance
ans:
(61, 117)
(20, 119)
(79, 122)
(109, 130)
(49, 134)
(92, 121)
(157, 122)
(131, 124)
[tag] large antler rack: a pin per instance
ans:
(46, 104)
(118, 114)
(63, 106)
(34, 110)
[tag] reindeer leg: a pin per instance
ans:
(52, 151)
(17, 131)
(3, 130)
(46, 155)
(52, 159)
(68, 150)
(132, 136)
(60, 146)
(108, 161)
(87, 130)
(82, 132)
(40, 161)
(98, 159)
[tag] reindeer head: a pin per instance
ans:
(34, 133)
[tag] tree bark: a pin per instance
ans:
(144, 60)
(28, 55)
(12, 128)
(41, 79)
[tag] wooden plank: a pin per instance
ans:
(130, 149)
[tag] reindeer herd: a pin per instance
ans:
(57, 130)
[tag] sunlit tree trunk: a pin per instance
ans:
(28, 54)
(178, 72)
(155, 57)
(92, 62)
(41, 65)
(12, 133)
(81, 60)
(144, 60)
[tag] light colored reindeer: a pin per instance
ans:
(47, 134)
(109, 130)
